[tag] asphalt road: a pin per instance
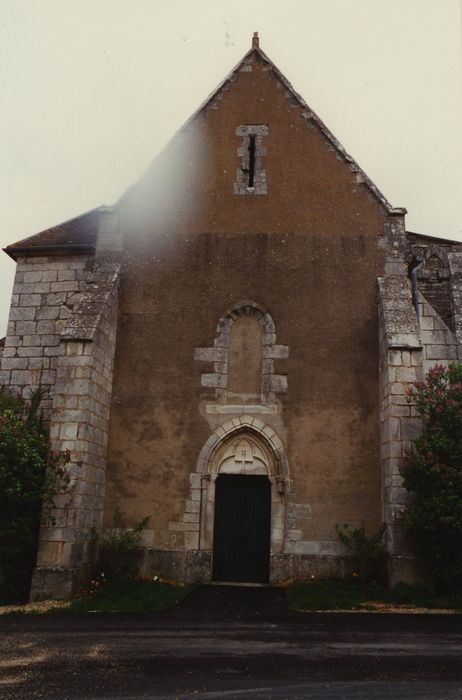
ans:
(226, 645)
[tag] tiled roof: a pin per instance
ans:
(431, 240)
(80, 232)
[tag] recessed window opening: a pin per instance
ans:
(251, 160)
(251, 175)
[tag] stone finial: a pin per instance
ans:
(255, 41)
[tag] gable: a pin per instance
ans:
(308, 182)
(305, 182)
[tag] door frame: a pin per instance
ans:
(277, 471)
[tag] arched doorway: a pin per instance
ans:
(243, 446)
(242, 517)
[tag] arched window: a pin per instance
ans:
(245, 356)
(434, 285)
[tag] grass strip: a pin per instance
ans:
(338, 594)
(131, 596)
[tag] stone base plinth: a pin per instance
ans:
(58, 583)
(194, 566)
(406, 569)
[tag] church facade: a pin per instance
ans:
(228, 349)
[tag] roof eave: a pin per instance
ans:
(15, 252)
(433, 238)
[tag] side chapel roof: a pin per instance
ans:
(78, 234)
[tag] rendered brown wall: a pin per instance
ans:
(307, 251)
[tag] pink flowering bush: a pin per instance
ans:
(432, 470)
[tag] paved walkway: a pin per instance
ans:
(231, 643)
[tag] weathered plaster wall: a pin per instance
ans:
(307, 251)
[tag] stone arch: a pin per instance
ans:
(271, 383)
(197, 521)
(243, 424)
(434, 283)
(277, 472)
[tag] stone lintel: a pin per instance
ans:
(240, 409)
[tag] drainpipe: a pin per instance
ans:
(413, 268)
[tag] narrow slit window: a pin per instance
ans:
(251, 160)
(251, 174)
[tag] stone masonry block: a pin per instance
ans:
(395, 357)
(33, 276)
(39, 363)
(30, 352)
(64, 286)
(22, 378)
(48, 340)
(192, 507)
(276, 352)
(401, 411)
(397, 388)
(4, 377)
(30, 300)
(184, 527)
(213, 380)
(426, 323)
(55, 299)
(13, 341)
(47, 327)
(31, 340)
(405, 374)
(392, 427)
(278, 383)
(441, 352)
(22, 314)
(191, 517)
(435, 337)
(14, 363)
(191, 540)
(49, 275)
(48, 313)
(213, 354)
(406, 358)
(66, 275)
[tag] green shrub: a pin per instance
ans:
(369, 551)
(411, 594)
(30, 476)
(118, 556)
(432, 471)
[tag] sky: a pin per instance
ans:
(93, 89)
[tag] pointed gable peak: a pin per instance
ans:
(307, 113)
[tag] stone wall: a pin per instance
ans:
(455, 267)
(79, 423)
(411, 342)
(46, 289)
